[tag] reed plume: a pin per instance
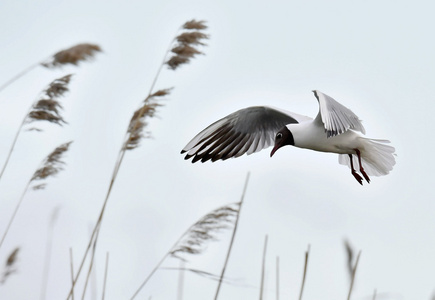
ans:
(10, 265)
(232, 238)
(46, 108)
(195, 239)
(50, 167)
(148, 108)
(73, 55)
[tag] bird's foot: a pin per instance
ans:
(357, 177)
(367, 178)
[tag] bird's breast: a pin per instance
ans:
(311, 136)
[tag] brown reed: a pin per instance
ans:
(46, 108)
(232, 238)
(304, 276)
(72, 55)
(50, 166)
(134, 132)
(10, 265)
(194, 240)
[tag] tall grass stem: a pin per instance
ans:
(232, 237)
(263, 268)
(307, 253)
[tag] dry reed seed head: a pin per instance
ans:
(73, 55)
(138, 123)
(48, 105)
(51, 165)
(192, 38)
(206, 229)
(47, 108)
(184, 49)
(10, 265)
(58, 87)
(34, 129)
(175, 61)
(193, 24)
(138, 120)
(12, 258)
(160, 93)
(42, 115)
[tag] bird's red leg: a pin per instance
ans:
(361, 169)
(354, 173)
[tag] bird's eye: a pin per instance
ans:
(279, 135)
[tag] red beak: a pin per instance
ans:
(274, 150)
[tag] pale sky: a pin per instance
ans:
(375, 57)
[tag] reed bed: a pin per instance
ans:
(186, 45)
(46, 108)
(191, 36)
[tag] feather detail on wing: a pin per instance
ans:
(335, 117)
(247, 130)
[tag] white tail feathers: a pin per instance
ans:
(377, 158)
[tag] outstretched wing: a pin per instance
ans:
(335, 117)
(247, 130)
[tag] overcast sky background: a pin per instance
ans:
(375, 57)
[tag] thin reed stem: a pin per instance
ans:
(374, 295)
(305, 272)
(232, 237)
(156, 267)
(112, 180)
(181, 280)
(72, 269)
(11, 220)
(222, 214)
(18, 76)
(353, 275)
(277, 278)
(91, 265)
(117, 166)
(106, 271)
(52, 164)
(47, 259)
(13, 145)
(263, 268)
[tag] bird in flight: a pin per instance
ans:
(334, 130)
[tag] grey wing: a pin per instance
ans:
(247, 130)
(336, 118)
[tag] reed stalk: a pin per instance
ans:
(263, 268)
(72, 55)
(305, 273)
(147, 109)
(353, 276)
(232, 238)
(46, 108)
(51, 165)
